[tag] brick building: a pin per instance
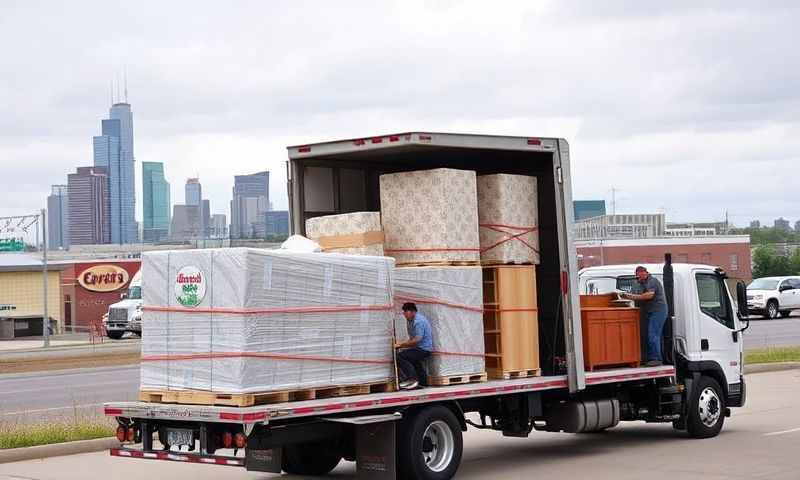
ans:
(731, 252)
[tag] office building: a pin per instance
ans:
(156, 203)
(219, 226)
(205, 213)
(755, 224)
(88, 200)
(186, 223)
(797, 226)
(58, 218)
(584, 209)
(277, 223)
(193, 192)
(782, 224)
(621, 226)
(113, 150)
(250, 202)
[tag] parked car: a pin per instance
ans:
(773, 296)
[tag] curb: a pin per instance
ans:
(770, 367)
(57, 450)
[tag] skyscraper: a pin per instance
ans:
(113, 150)
(193, 192)
(186, 223)
(89, 219)
(156, 202)
(58, 218)
(250, 203)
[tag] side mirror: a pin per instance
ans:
(741, 302)
(783, 288)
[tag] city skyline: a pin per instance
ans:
(156, 206)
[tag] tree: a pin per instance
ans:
(766, 263)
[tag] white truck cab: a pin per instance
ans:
(706, 328)
(126, 315)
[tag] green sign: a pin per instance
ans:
(11, 245)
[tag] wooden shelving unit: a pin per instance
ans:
(511, 321)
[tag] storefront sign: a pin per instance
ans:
(190, 286)
(103, 278)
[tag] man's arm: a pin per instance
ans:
(411, 342)
(640, 297)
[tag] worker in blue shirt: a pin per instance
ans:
(412, 352)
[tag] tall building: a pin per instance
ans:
(584, 209)
(782, 224)
(113, 150)
(193, 192)
(58, 218)
(277, 222)
(186, 223)
(219, 226)
(88, 200)
(755, 224)
(205, 213)
(156, 203)
(250, 203)
(797, 226)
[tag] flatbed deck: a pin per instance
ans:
(264, 414)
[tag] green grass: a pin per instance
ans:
(28, 435)
(773, 355)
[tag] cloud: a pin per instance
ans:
(687, 106)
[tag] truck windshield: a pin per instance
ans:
(763, 284)
(135, 292)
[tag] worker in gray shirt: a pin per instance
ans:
(648, 294)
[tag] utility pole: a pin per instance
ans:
(45, 315)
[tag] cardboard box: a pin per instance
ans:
(243, 320)
(358, 233)
(430, 216)
(508, 215)
(451, 299)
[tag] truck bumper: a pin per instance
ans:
(737, 393)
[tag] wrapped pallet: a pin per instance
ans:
(356, 233)
(452, 300)
(430, 216)
(245, 320)
(508, 217)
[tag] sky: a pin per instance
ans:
(689, 108)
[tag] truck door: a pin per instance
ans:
(720, 341)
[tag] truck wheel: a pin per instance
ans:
(115, 335)
(706, 409)
(317, 458)
(772, 309)
(429, 445)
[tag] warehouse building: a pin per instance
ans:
(22, 296)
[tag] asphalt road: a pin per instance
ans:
(781, 332)
(759, 441)
(64, 394)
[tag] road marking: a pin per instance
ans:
(782, 432)
(40, 410)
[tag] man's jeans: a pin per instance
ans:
(410, 361)
(655, 326)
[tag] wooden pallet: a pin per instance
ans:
(197, 397)
(442, 263)
(457, 379)
(510, 375)
(497, 263)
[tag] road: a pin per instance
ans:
(759, 441)
(63, 394)
(780, 332)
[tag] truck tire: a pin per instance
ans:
(317, 458)
(115, 335)
(429, 445)
(772, 310)
(706, 409)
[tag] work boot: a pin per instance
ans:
(409, 385)
(654, 363)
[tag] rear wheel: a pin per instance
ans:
(430, 445)
(115, 334)
(317, 458)
(772, 309)
(706, 410)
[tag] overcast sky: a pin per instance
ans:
(691, 110)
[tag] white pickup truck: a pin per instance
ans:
(126, 315)
(418, 434)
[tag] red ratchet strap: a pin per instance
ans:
(521, 231)
(435, 301)
(256, 311)
(275, 356)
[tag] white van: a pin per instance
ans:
(770, 296)
(126, 315)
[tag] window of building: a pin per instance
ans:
(682, 258)
(705, 258)
(734, 261)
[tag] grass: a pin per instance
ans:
(23, 434)
(773, 355)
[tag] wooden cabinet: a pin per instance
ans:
(610, 337)
(511, 321)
